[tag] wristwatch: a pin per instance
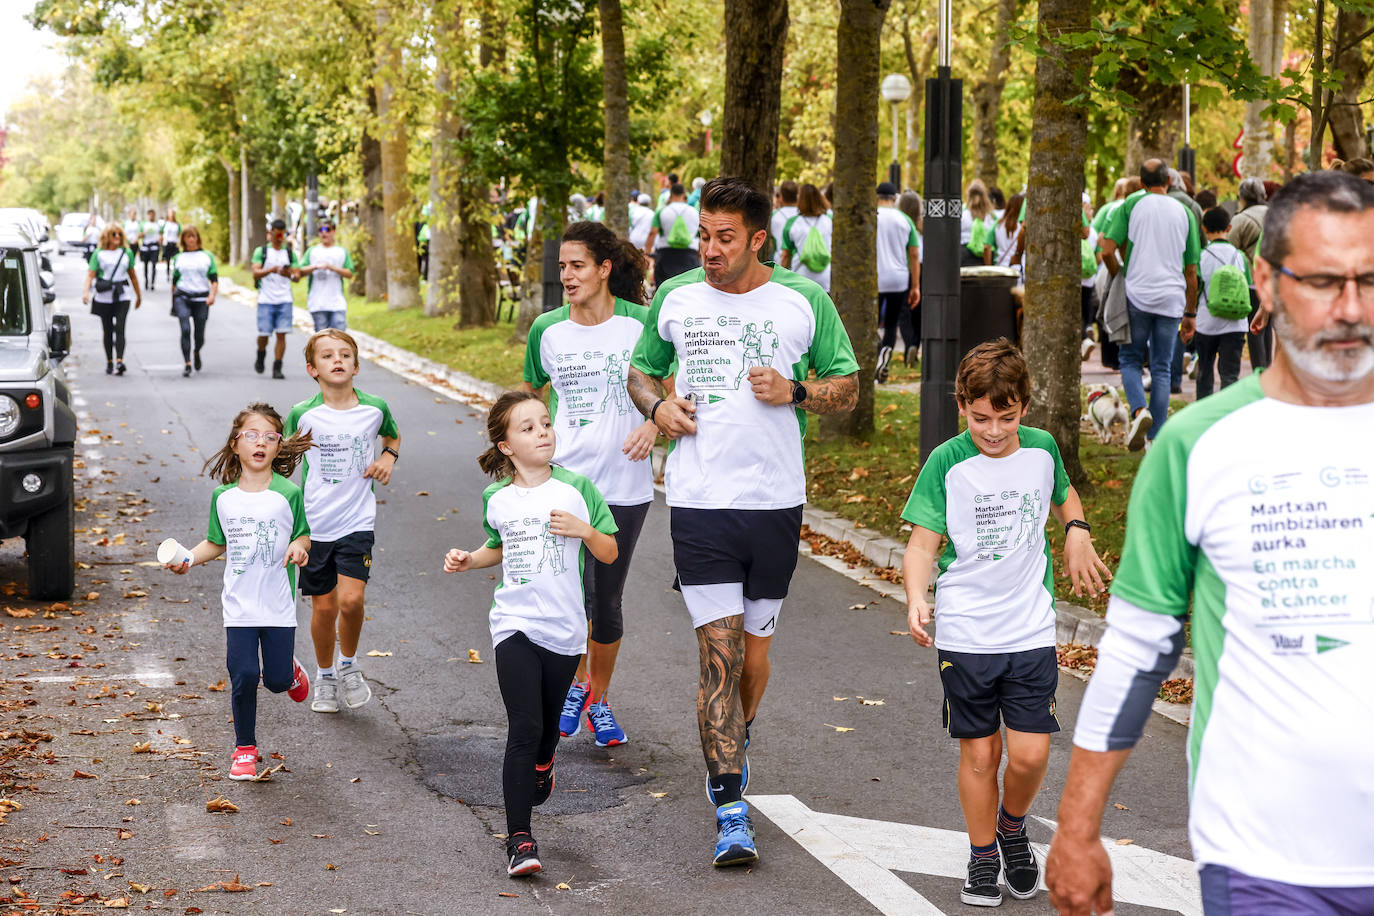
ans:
(798, 392)
(1078, 523)
(395, 455)
(1190, 314)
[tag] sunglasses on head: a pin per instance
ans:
(326, 228)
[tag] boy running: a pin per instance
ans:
(327, 264)
(995, 602)
(274, 270)
(342, 509)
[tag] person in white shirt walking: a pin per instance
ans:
(1220, 340)
(899, 280)
(327, 264)
(673, 239)
(195, 284)
(274, 270)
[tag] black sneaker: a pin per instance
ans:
(980, 888)
(543, 784)
(276, 369)
(197, 359)
(1022, 869)
(186, 373)
(523, 855)
(884, 359)
(260, 364)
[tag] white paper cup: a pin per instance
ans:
(171, 551)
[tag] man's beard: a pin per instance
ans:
(1308, 354)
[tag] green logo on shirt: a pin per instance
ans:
(1327, 643)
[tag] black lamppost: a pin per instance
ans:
(940, 269)
(1187, 157)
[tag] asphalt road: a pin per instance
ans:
(391, 808)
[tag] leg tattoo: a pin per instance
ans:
(720, 717)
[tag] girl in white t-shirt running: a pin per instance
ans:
(582, 351)
(538, 518)
(258, 518)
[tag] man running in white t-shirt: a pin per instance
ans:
(736, 481)
(1255, 505)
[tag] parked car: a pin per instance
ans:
(37, 424)
(71, 232)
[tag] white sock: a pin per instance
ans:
(324, 672)
(346, 660)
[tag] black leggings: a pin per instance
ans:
(190, 312)
(897, 311)
(603, 584)
(113, 326)
(242, 645)
(534, 682)
(150, 266)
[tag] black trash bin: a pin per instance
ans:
(987, 310)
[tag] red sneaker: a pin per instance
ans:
(245, 763)
(300, 683)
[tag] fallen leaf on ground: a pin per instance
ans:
(872, 702)
(126, 834)
(474, 657)
(140, 888)
(181, 741)
(19, 611)
(221, 805)
(899, 632)
(119, 903)
(275, 842)
(839, 728)
(81, 774)
(1125, 841)
(231, 887)
(153, 707)
(356, 779)
(839, 699)
(1120, 807)
(92, 596)
(285, 823)
(133, 801)
(373, 653)
(564, 886)
(658, 794)
(136, 593)
(144, 748)
(422, 493)
(323, 836)
(504, 893)
(857, 607)
(217, 687)
(330, 866)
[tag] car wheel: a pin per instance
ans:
(52, 553)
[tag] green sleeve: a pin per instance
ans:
(176, 270)
(214, 533)
(213, 273)
(1061, 476)
(493, 536)
(599, 514)
(291, 257)
(1157, 561)
(654, 223)
(787, 243)
(653, 355)
(1245, 265)
(1021, 218)
(913, 238)
(1192, 250)
(926, 506)
(1118, 222)
(260, 255)
(305, 259)
(348, 260)
(388, 428)
(94, 262)
(831, 351)
(534, 366)
(1100, 218)
(293, 420)
(128, 261)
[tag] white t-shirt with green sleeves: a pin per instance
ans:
(896, 233)
(338, 498)
(668, 215)
(194, 271)
(171, 232)
(995, 589)
(540, 593)
(1260, 515)
(794, 236)
(275, 289)
(745, 454)
(326, 292)
(255, 528)
(586, 367)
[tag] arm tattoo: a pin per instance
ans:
(644, 390)
(720, 712)
(836, 394)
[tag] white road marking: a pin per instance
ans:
(148, 678)
(864, 854)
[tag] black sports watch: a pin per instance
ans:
(388, 450)
(798, 392)
(1078, 523)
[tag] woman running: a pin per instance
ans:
(112, 277)
(150, 248)
(583, 350)
(195, 284)
(171, 235)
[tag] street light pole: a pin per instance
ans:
(895, 89)
(705, 117)
(1187, 157)
(940, 269)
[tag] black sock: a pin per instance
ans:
(726, 788)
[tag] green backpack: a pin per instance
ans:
(1228, 295)
(815, 256)
(679, 236)
(1088, 257)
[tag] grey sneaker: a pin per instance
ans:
(355, 689)
(326, 694)
(1140, 426)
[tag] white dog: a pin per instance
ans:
(1106, 408)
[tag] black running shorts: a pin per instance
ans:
(350, 555)
(982, 691)
(757, 547)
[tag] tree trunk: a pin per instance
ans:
(235, 242)
(1317, 142)
(1347, 124)
(373, 216)
(477, 282)
(755, 39)
(854, 275)
(441, 295)
(1157, 124)
(987, 93)
(531, 283)
(278, 203)
(402, 273)
(254, 216)
(1059, 143)
(245, 223)
(915, 156)
(1266, 49)
(615, 88)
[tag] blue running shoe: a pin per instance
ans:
(602, 722)
(743, 778)
(570, 720)
(734, 835)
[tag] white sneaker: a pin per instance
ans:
(1086, 349)
(326, 694)
(355, 689)
(884, 358)
(1190, 365)
(1140, 425)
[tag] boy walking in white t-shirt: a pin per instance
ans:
(342, 509)
(327, 264)
(1219, 340)
(988, 492)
